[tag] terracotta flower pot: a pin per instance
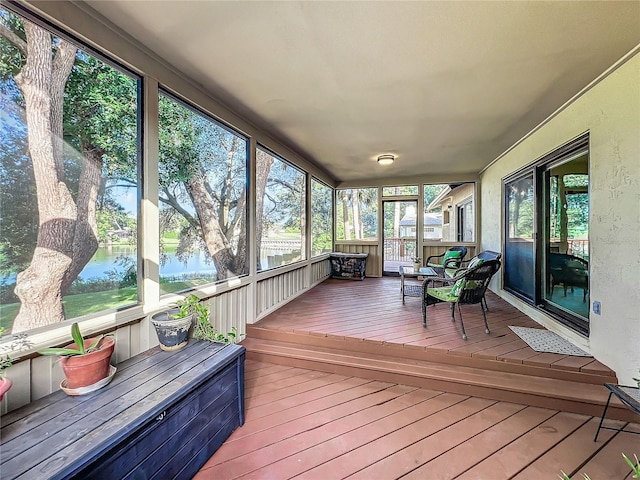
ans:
(5, 385)
(84, 370)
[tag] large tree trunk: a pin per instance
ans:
(357, 220)
(85, 238)
(263, 167)
(214, 238)
(345, 215)
(42, 80)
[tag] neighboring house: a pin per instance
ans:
(432, 224)
(458, 219)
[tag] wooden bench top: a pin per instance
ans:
(60, 433)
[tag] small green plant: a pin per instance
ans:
(203, 329)
(635, 467)
(566, 477)
(188, 306)
(78, 340)
(5, 362)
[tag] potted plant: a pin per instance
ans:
(204, 330)
(5, 383)
(173, 325)
(417, 263)
(5, 362)
(85, 363)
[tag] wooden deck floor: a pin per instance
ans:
(308, 424)
(305, 423)
(372, 311)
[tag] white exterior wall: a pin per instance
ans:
(610, 112)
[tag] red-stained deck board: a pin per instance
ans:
(373, 310)
(355, 428)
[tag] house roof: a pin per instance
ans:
(432, 219)
(444, 86)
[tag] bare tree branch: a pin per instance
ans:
(18, 42)
(173, 202)
(288, 185)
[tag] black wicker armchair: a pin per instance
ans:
(468, 287)
(570, 271)
(449, 259)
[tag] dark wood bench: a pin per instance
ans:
(162, 416)
(348, 266)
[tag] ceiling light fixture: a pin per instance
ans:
(386, 159)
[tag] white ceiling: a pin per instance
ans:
(445, 86)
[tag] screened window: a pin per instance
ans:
(321, 218)
(202, 193)
(68, 180)
(400, 191)
(280, 211)
(449, 212)
(357, 214)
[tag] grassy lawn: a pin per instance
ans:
(77, 305)
(94, 302)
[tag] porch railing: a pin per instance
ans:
(399, 249)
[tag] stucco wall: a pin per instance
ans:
(610, 112)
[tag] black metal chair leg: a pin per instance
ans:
(453, 312)
(424, 314)
(604, 414)
(486, 325)
(464, 334)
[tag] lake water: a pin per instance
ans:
(106, 259)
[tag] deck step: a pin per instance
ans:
(396, 350)
(555, 393)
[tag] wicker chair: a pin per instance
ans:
(570, 271)
(484, 255)
(468, 287)
(448, 260)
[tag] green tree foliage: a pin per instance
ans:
(357, 213)
(321, 218)
(202, 173)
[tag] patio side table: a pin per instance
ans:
(413, 290)
(629, 396)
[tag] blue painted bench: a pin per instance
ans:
(162, 417)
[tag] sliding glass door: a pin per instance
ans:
(546, 246)
(566, 241)
(520, 248)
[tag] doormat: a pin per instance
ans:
(545, 341)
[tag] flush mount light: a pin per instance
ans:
(386, 159)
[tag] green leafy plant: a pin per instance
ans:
(566, 477)
(5, 362)
(203, 329)
(635, 467)
(189, 306)
(78, 340)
